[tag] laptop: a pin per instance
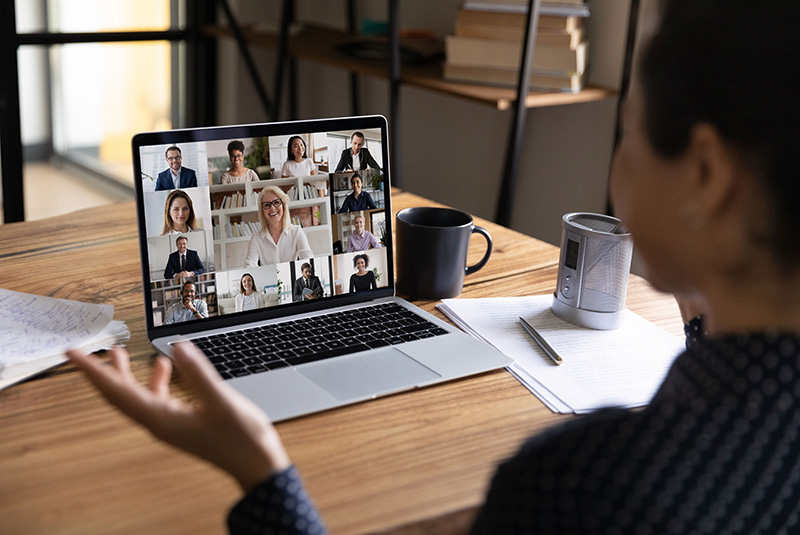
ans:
(270, 247)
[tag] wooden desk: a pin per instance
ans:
(410, 463)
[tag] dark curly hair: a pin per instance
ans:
(365, 257)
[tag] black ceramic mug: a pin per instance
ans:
(432, 245)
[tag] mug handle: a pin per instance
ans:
(479, 265)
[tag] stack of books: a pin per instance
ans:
(486, 47)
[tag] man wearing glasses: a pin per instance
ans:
(177, 176)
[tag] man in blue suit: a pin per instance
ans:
(176, 176)
(183, 262)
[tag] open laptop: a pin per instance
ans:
(309, 322)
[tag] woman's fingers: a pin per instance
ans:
(118, 385)
(162, 373)
(198, 371)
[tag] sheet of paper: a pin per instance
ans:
(621, 367)
(33, 325)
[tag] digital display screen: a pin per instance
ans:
(571, 257)
(211, 242)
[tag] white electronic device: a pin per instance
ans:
(593, 271)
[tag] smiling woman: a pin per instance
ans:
(278, 241)
(179, 216)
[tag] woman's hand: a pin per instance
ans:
(220, 425)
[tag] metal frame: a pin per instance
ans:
(633, 21)
(508, 182)
(10, 131)
(272, 108)
(9, 93)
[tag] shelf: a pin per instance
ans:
(318, 43)
(234, 211)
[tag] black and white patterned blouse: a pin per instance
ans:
(717, 451)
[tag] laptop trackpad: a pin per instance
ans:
(368, 374)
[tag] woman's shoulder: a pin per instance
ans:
(293, 229)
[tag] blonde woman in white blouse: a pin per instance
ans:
(279, 241)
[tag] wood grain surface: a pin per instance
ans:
(416, 462)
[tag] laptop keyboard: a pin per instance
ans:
(261, 349)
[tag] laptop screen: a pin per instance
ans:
(243, 223)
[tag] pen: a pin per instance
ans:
(541, 342)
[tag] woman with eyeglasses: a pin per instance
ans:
(278, 241)
(238, 172)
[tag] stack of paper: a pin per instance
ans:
(35, 331)
(619, 368)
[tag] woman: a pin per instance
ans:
(357, 200)
(238, 172)
(360, 239)
(179, 217)
(298, 163)
(278, 240)
(706, 181)
(363, 279)
(248, 298)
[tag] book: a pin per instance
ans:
(524, 3)
(466, 51)
(305, 217)
(517, 34)
(517, 20)
(567, 8)
(568, 83)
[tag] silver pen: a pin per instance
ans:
(541, 342)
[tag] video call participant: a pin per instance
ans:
(188, 308)
(183, 262)
(363, 279)
(238, 172)
(357, 200)
(360, 239)
(179, 217)
(308, 286)
(278, 241)
(357, 157)
(248, 298)
(175, 176)
(298, 163)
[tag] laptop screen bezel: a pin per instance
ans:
(193, 135)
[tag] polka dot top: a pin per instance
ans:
(716, 451)
(278, 506)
